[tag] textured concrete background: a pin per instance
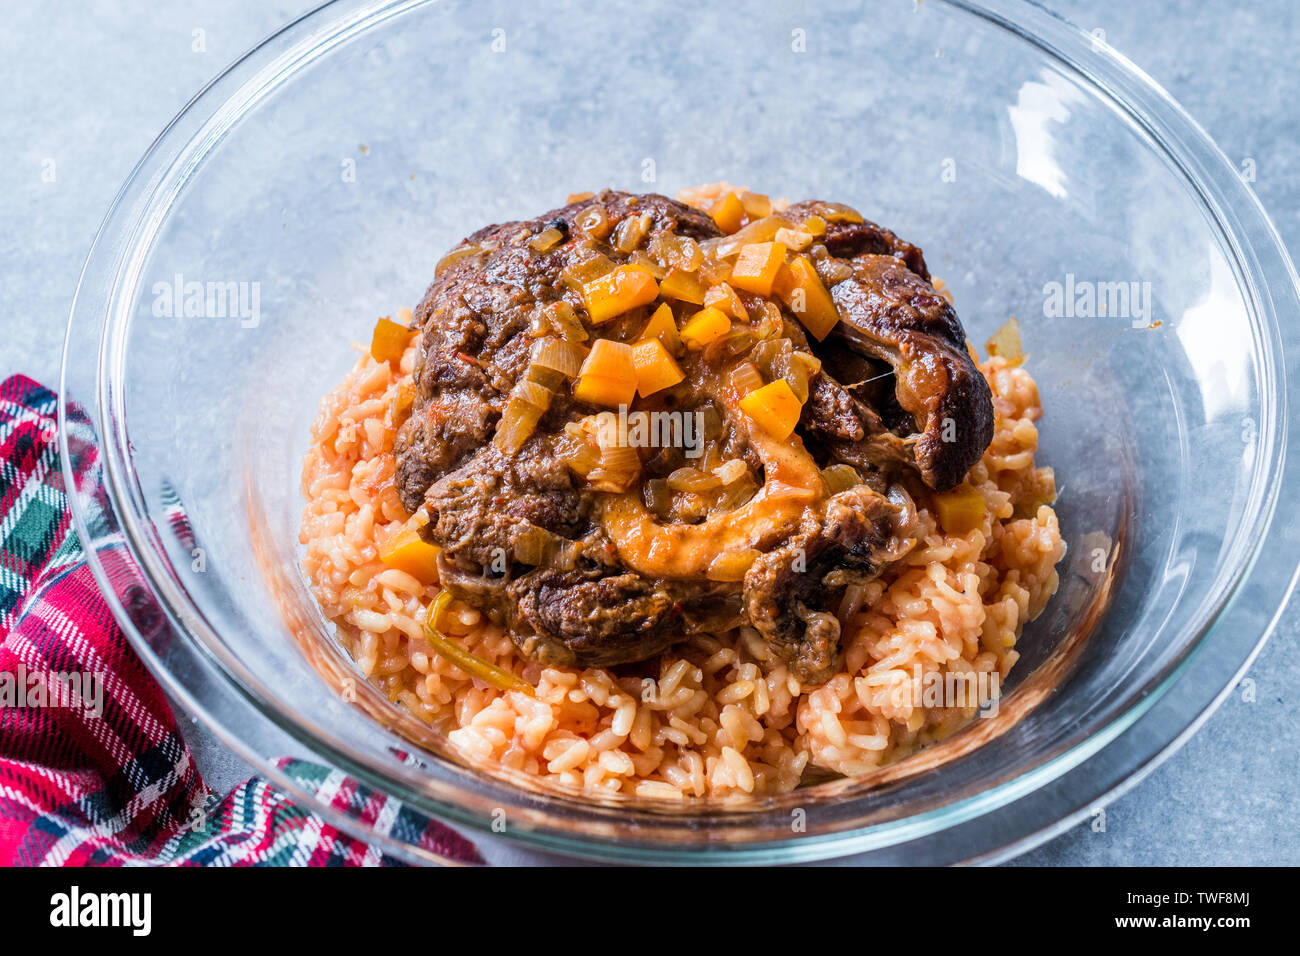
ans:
(85, 87)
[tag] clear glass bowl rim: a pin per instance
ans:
(1262, 263)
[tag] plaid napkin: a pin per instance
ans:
(93, 770)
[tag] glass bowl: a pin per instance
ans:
(312, 186)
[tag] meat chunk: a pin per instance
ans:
(889, 312)
(480, 511)
(565, 617)
(475, 327)
(587, 564)
(787, 590)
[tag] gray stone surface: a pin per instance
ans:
(84, 89)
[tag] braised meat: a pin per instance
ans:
(634, 421)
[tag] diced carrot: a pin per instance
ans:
(774, 408)
(616, 292)
(728, 212)
(802, 289)
(960, 510)
(723, 298)
(756, 267)
(609, 359)
(707, 325)
(663, 326)
(608, 376)
(389, 341)
(655, 368)
(598, 390)
(407, 551)
(682, 286)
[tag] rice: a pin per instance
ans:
(724, 717)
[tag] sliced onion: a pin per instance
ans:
(840, 478)
(579, 273)
(539, 322)
(795, 372)
(594, 221)
(767, 355)
(714, 271)
(761, 230)
(547, 239)
(534, 393)
(745, 378)
(564, 319)
(736, 495)
(538, 547)
(710, 422)
(724, 298)
(854, 596)
(809, 361)
(517, 423)
(1006, 342)
(618, 468)
(734, 343)
(731, 565)
(579, 455)
(678, 252)
(620, 459)
(564, 357)
(648, 263)
(460, 252)
(756, 204)
(837, 212)
(657, 495)
(731, 471)
(770, 324)
(547, 378)
(814, 225)
(692, 480)
(794, 239)
(629, 233)
(471, 664)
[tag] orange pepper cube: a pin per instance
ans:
(707, 325)
(663, 326)
(608, 376)
(960, 510)
(389, 341)
(756, 267)
(407, 551)
(655, 368)
(774, 408)
(616, 292)
(802, 289)
(728, 213)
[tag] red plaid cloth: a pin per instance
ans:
(92, 767)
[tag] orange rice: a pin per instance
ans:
(724, 716)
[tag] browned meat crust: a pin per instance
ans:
(903, 401)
